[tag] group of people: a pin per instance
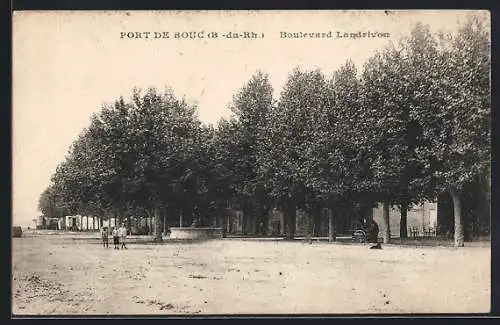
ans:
(119, 236)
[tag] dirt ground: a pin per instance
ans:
(73, 274)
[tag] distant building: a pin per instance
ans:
(420, 218)
(275, 225)
(43, 222)
(82, 223)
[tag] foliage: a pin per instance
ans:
(414, 123)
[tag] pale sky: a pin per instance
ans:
(67, 64)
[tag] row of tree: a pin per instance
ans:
(414, 123)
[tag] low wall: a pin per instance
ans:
(195, 233)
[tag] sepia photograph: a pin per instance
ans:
(234, 162)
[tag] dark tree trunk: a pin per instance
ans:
(444, 214)
(218, 218)
(181, 212)
(157, 224)
(244, 218)
(315, 225)
(290, 220)
(165, 223)
(385, 219)
(316, 216)
(403, 225)
(93, 223)
(228, 223)
(331, 226)
(253, 224)
(261, 221)
(266, 222)
(459, 228)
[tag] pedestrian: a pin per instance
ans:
(373, 235)
(116, 239)
(122, 232)
(104, 237)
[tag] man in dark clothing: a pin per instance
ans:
(373, 235)
(104, 236)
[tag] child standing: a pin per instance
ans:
(104, 237)
(122, 232)
(116, 239)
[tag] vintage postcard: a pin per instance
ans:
(251, 162)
